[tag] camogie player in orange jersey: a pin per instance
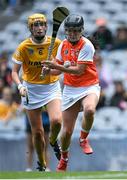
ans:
(37, 92)
(81, 85)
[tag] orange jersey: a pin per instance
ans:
(29, 55)
(82, 52)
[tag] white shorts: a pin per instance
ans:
(73, 94)
(41, 94)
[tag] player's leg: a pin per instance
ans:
(69, 119)
(46, 126)
(55, 116)
(38, 136)
(30, 151)
(30, 148)
(47, 155)
(89, 104)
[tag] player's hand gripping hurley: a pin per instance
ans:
(59, 14)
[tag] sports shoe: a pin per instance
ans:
(48, 170)
(87, 149)
(40, 167)
(62, 165)
(28, 170)
(57, 150)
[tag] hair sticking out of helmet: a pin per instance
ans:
(36, 17)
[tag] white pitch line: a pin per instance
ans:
(101, 176)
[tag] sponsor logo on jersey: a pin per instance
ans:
(35, 63)
(66, 51)
(30, 51)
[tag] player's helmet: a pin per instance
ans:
(74, 23)
(36, 17)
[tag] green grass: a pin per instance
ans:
(66, 175)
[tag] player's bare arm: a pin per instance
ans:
(49, 71)
(78, 69)
(15, 76)
(15, 72)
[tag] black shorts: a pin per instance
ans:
(45, 121)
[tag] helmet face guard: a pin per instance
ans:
(73, 34)
(37, 24)
(73, 26)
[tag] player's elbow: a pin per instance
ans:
(12, 74)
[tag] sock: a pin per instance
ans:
(83, 134)
(64, 155)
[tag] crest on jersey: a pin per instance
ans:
(30, 51)
(66, 51)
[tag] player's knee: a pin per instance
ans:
(38, 134)
(56, 122)
(89, 111)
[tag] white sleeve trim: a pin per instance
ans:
(87, 52)
(58, 56)
(17, 62)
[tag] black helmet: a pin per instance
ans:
(74, 21)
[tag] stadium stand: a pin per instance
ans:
(16, 28)
(108, 120)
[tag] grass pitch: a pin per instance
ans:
(65, 175)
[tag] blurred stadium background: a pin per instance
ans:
(109, 134)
